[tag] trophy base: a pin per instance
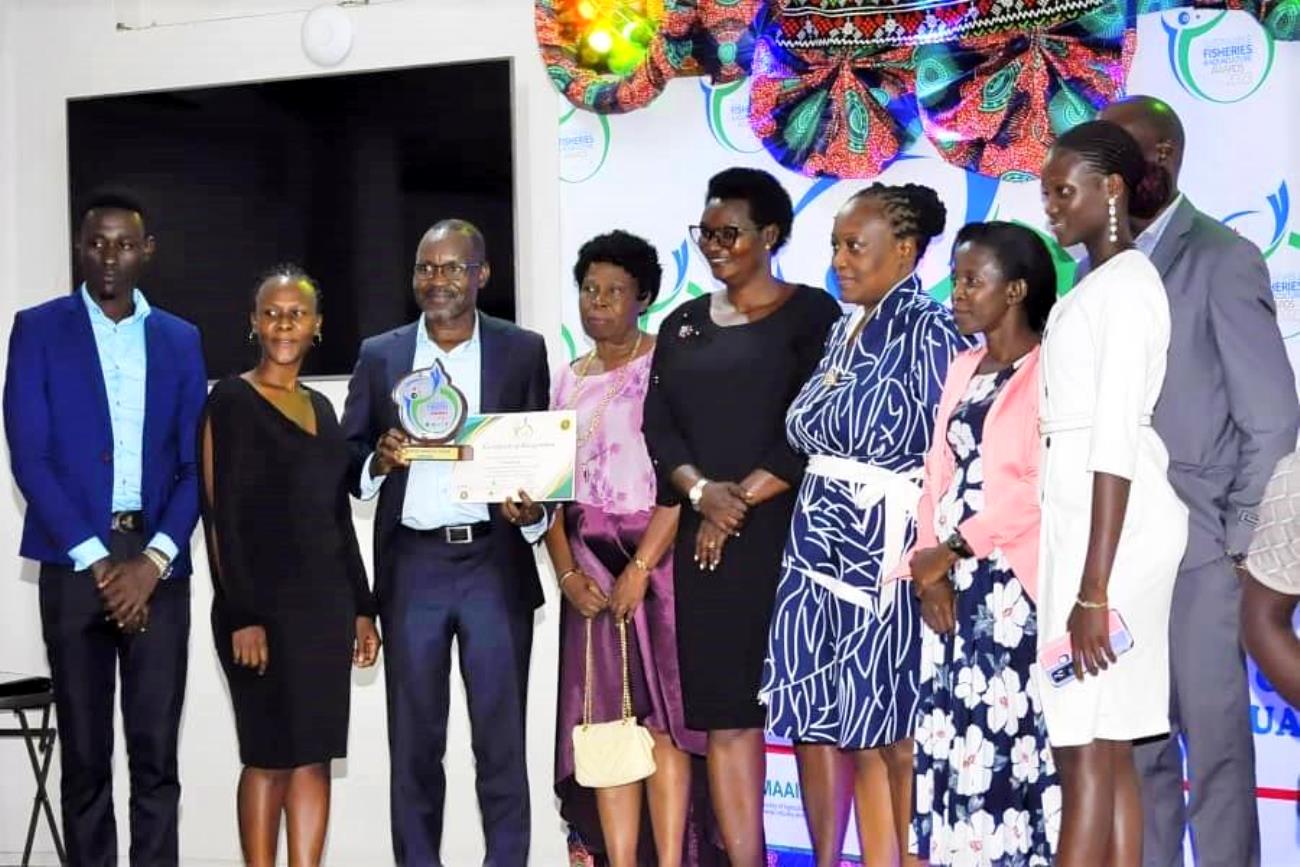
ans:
(418, 452)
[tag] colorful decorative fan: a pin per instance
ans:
(609, 56)
(994, 104)
(725, 37)
(844, 114)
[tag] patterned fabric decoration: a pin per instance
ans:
(847, 115)
(669, 56)
(725, 37)
(1281, 18)
(827, 24)
(994, 104)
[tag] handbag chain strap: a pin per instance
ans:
(627, 683)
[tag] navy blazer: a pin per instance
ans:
(515, 378)
(61, 437)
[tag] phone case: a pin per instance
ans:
(1057, 658)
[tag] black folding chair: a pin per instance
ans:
(21, 695)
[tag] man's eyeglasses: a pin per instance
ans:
(724, 236)
(450, 270)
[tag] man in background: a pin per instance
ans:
(1227, 413)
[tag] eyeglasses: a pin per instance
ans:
(724, 236)
(450, 270)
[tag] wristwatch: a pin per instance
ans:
(957, 545)
(696, 492)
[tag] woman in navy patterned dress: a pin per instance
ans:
(986, 787)
(844, 649)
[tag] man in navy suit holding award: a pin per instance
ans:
(445, 569)
(101, 404)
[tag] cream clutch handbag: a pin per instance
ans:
(611, 753)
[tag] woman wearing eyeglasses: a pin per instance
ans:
(842, 669)
(609, 550)
(725, 368)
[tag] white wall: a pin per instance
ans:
(53, 49)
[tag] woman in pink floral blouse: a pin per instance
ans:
(608, 551)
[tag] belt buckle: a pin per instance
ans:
(461, 535)
(124, 522)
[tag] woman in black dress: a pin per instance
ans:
(292, 607)
(726, 367)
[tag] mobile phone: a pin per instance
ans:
(1057, 658)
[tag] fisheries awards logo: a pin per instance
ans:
(726, 108)
(584, 143)
(1270, 230)
(1218, 56)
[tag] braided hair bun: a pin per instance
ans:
(913, 210)
(1107, 148)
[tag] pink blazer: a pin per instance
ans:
(1011, 453)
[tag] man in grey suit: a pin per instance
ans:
(1227, 413)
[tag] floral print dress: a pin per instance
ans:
(986, 789)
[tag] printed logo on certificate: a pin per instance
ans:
(534, 452)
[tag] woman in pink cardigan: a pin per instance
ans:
(985, 782)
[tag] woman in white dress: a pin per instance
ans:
(1113, 530)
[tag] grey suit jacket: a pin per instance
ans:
(1228, 410)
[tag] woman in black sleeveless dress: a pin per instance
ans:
(292, 608)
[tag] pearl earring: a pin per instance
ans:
(1114, 220)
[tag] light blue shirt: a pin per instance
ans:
(124, 363)
(1151, 235)
(428, 503)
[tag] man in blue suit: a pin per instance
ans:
(446, 570)
(101, 405)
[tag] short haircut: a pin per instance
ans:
(769, 203)
(290, 271)
(633, 254)
(457, 226)
(1107, 148)
(110, 199)
(1021, 255)
(913, 210)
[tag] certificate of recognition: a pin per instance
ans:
(508, 452)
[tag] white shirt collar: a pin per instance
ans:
(1151, 235)
(422, 338)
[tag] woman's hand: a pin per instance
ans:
(1090, 640)
(365, 651)
(249, 646)
(939, 606)
(709, 540)
(629, 590)
(584, 594)
(929, 566)
(725, 504)
(523, 513)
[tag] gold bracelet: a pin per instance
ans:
(568, 573)
(158, 559)
(642, 565)
(1084, 603)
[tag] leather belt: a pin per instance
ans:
(457, 534)
(127, 522)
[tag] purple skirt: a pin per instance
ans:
(603, 544)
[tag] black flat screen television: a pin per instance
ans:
(339, 173)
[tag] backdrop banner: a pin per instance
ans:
(1236, 90)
